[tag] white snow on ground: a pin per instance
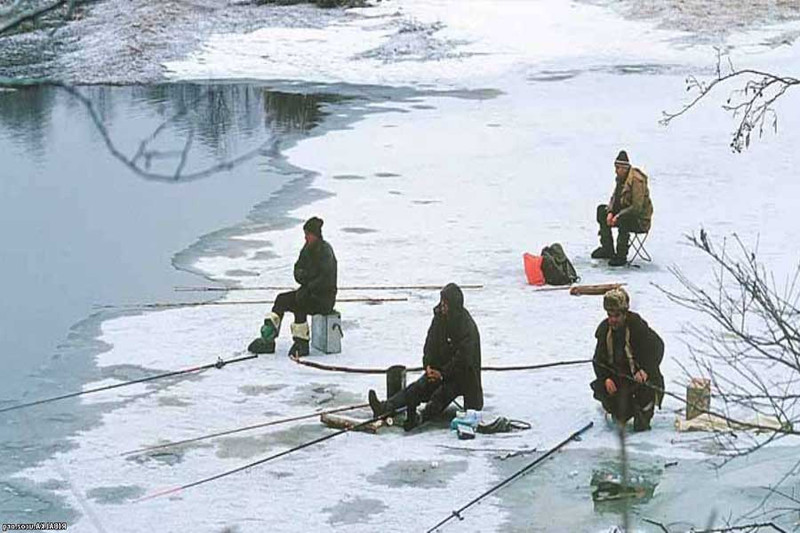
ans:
(434, 42)
(455, 189)
(445, 43)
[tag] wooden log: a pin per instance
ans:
(600, 288)
(339, 421)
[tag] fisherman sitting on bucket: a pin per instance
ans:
(452, 361)
(626, 363)
(315, 271)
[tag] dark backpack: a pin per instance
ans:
(556, 266)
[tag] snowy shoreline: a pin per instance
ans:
(130, 42)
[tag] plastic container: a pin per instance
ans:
(533, 269)
(469, 418)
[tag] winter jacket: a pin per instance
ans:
(634, 199)
(643, 347)
(315, 271)
(453, 346)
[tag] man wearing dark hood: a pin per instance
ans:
(626, 361)
(452, 361)
(315, 271)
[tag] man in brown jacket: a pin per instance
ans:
(627, 363)
(629, 210)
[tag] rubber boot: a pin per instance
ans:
(272, 327)
(266, 342)
(621, 257)
(641, 418)
(378, 407)
(606, 249)
(412, 418)
(300, 334)
(260, 346)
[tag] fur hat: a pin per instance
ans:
(313, 226)
(616, 300)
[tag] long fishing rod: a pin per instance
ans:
(169, 305)
(367, 370)
(219, 364)
(331, 411)
(262, 461)
(346, 288)
(522, 472)
(784, 429)
(245, 428)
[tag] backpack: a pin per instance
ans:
(556, 266)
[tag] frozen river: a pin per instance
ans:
(439, 141)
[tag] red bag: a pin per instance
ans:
(533, 269)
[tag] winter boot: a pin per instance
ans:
(621, 257)
(641, 418)
(260, 346)
(378, 407)
(271, 327)
(266, 342)
(300, 334)
(606, 249)
(603, 252)
(412, 418)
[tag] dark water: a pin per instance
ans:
(81, 228)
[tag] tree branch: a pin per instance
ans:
(753, 103)
(143, 152)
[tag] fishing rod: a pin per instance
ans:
(169, 305)
(219, 364)
(246, 428)
(522, 472)
(366, 370)
(264, 460)
(346, 288)
(785, 429)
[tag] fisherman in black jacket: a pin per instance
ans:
(626, 363)
(315, 271)
(452, 361)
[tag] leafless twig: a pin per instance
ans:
(752, 102)
(140, 161)
(745, 338)
(32, 13)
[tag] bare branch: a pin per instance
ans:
(144, 153)
(37, 12)
(744, 527)
(752, 104)
(659, 524)
(745, 339)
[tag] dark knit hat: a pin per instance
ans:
(313, 226)
(622, 158)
